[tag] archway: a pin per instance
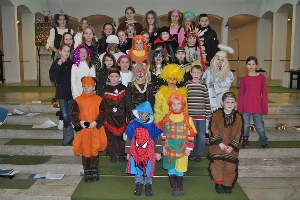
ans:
(242, 36)
(97, 22)
(27, 58)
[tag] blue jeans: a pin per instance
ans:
(65, 108)
(142, 179)
(259, 125)
(175, 172)
(199, 143)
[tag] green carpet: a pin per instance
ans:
(23, 127)
(277, 144)
(6, 183)
(23, 160)
(35, 142)
(122, 188)
(119, 169)
(27, 89)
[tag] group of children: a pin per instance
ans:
(110, 98)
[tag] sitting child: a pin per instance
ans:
(142, 147)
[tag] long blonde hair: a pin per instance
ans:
(225, 69)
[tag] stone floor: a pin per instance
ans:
(256, 188)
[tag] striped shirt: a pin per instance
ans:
(198, 100)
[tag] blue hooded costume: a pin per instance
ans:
(143, 136)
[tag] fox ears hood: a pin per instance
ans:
(146, 108)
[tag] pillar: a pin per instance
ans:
(10, 44)
(295, 52)
(263, 46)
(279, 44)
(224, 31)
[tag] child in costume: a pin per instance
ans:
(193, 48)
(89, 38)
(151, 21)
(198, 108)
(218, 78)
(146, 36)
(188, 18)
(253, 100)
(112, 42)
(175, 28)
(129, 14)
(143, 148)
(124, 44)
(139, 51)
(225, 133)
(53, 42)
(60, 75)
(158, 60)
(171, 74)
(208, 36)
(126, 74)
(82, 67)
(107, 30)
(91, 139)
(140, 89)
(107, 63)
(177, 141)
(167, 42)
(115, 109)
(82, 25)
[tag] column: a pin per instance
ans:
(10, 44)
(224, 31)
(279, 44)
(295, 51)
(263, 46)
(29, 48)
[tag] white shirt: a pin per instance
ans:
(126, 77)
(77, 73)
(77, 39)
(50, 40)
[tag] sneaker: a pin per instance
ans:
(197, 159)
(265, 146)
(219, 188)
(60, 125)
(46, 124)
(148, 190)
(227, 189)
(138, 189)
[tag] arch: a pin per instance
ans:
(268, 14)
(97, 22)
(242, 34)
(137, 17)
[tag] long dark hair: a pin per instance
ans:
(103, 66)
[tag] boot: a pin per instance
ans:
(138, 189)
(87, 175)
(173, 184)
(148, 190)
(94, 175)
(179, 180)
(227, 189)
(245, 142)
(219, 188)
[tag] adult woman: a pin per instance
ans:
(129, 14)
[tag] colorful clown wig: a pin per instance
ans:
(172, 71)
(77, 53)
(182, 99)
